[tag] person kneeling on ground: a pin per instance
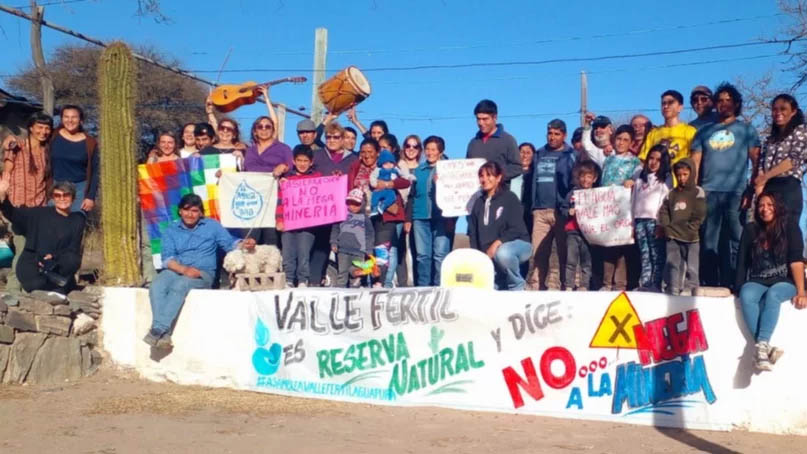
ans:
(496, 227)
(770, 271)
(189, 249)
(52, 252)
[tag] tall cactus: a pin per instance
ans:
(117, 76)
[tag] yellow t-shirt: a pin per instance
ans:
(680, 137)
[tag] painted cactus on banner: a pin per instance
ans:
(118, 131)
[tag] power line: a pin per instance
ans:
(531, 43)
(577, 73)
(392, 116)
(98, 42)
(59, 2)
(533, 62)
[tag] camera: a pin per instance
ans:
(47, 267)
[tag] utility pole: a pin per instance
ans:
(583, 97)
(320, 51)
(45, 80)
(281, 122)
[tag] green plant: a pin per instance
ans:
(117, 133)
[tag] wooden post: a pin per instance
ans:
(39, 58)
(583, 97)
(281, 122)
(320, 50)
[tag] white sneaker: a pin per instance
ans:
(762, 361)
(302, 285)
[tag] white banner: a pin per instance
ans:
(604, 358)
(604, 215)
(457, 185)
(248, 199)
(635, 358)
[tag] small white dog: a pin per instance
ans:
(264, 259)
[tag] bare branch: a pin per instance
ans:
(147, 8)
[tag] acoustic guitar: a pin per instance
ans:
(227, 98)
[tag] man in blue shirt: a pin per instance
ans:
(189, 249)
(725, 146)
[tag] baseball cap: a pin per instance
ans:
(355, 195)
(306, 125)
(701, 89)
(203, 129)
(600, 121)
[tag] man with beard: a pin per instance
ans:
(724, 148)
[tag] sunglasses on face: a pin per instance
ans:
(334, 137)
(61, 195)
(264, 126)
(412, 146)
(226, 129)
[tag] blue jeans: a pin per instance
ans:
(508, 260)
(652, 251)
(432, 245)
(297, 246)
(760, 305)
(393, 257)
(167, 294)
(723, 209)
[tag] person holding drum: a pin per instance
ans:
(331, 160)
(378, 128)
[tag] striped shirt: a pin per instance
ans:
(26, 187)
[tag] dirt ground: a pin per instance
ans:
(113, 412)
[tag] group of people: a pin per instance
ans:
(49, 182)
(689, 183)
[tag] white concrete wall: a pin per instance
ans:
(214, 335)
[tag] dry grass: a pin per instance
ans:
(191, 399)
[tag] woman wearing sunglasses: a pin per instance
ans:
(266, 154)
(409, 160)
(52, 252)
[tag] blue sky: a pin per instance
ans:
(276, 37)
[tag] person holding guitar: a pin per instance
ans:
(266, 154)
(227, 139)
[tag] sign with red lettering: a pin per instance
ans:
(604, 215)
(309, 202)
